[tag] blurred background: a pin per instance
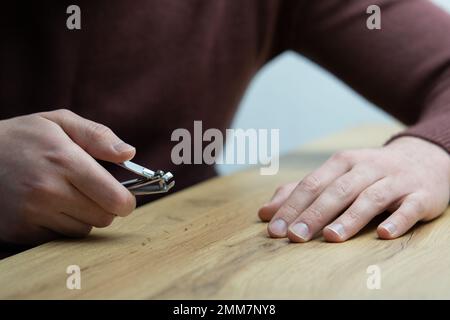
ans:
(304, 101)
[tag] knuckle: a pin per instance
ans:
(341, 189)
(352, 214)
(314, 213)
(286, 188)
(367, 170)
(311, 184)
(417, 205)
(98, 131)
(63, 113)
(289, 212)
(342, 156)
(375, 196)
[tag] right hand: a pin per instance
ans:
(50, 184)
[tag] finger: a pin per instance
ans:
(267, 211)
(307, 191)
(43, 210)
(371, 202)
(96, 139)
(75, 204)
(411, 210)
(331, 202)
(65, 225)
(92, 180)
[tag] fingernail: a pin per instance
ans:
(278, 227)
(123, 147)
(337, 228)
(301, 230)
(390, 227)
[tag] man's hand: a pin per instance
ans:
(409, 177)
(50, 183)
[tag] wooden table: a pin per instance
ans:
(207, 243)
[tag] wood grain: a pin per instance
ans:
(207, 243)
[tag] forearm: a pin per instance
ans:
(434, 122)
(403, 68)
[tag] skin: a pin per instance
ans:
(50, 184)
(409, 178)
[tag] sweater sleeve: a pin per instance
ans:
(404, 68)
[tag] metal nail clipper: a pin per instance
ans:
(149, 182)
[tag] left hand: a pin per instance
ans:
(409, 178)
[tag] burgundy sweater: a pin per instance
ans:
(147, 67)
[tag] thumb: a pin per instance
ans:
(96, 139)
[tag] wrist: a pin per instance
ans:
(421, 150)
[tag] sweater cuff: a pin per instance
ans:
(435, 130)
